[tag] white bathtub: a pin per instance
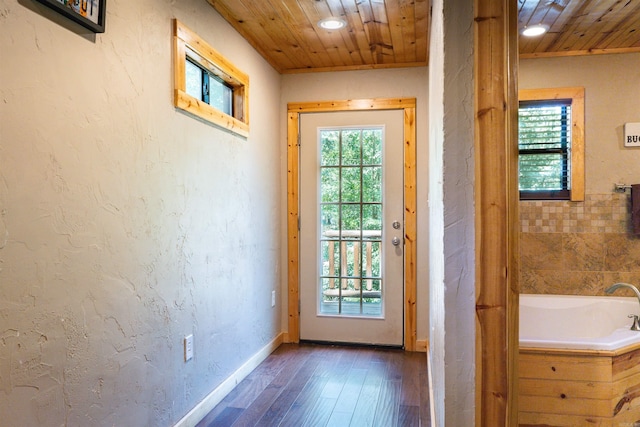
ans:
(577, 322)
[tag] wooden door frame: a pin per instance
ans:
(408, 105)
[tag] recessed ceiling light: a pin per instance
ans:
(534, 30)
(332, 23)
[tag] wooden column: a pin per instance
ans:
(496, 212)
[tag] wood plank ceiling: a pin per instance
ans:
(379, 33)
(394, 33)
(580, 27)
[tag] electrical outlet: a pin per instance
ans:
(273, 298)
(188, 348)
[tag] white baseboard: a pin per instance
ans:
(431, 401)
(208, 403)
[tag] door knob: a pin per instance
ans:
(395, 241)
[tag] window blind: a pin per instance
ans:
(544, 143)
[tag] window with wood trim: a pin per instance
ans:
(551, 144)
(207, 85)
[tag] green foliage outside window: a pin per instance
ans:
(351, 200)
(544, 143)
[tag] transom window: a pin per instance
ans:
(551, 144)
(202, 84)
(207, 85)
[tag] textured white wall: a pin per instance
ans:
(451, 201)
(125, 224)
(389, 83)
(612, 91)
(436, 212)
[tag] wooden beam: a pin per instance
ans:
(496, 251)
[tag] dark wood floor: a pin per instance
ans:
(314, 385)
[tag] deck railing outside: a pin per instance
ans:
(356, 238)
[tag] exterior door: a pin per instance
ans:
(351, 227)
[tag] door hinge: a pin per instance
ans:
(299, 139)
(298, 223)
(299, 306)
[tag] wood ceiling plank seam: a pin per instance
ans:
(628, 39)
(297, 25)
(602, 27)
(275, 39)
(538, 16)
(309, 32)
(556, 26)
(238, 25)
(357, 31)
(247, 22)
(371, 30)
(526, 10)
(528, 44)
(410, 25)
(397, 30)
(261, 40)
(632, 40)
(314, 16)
(290, 29)
(331, 39)
(534, 17)
(382, 21)
(422, 25)
(534, 44)
(623, 30)
(542, 16)
(366, 17)
(337, 9)
(565, 16)
(570, 31)
(588, 37)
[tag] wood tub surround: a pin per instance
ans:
(579, 387)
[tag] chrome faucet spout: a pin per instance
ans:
(613, 288)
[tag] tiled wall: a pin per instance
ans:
(577, 248)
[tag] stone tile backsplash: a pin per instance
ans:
(577, 248)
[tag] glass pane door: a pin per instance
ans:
(350, 213)
(351, 227)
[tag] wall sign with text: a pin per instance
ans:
(632, 135)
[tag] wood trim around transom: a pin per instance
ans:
(293, 241)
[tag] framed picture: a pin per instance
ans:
(88, 13)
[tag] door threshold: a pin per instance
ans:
(353, 344)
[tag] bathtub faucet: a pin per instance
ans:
(612, 289)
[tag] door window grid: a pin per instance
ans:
(351, 221)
